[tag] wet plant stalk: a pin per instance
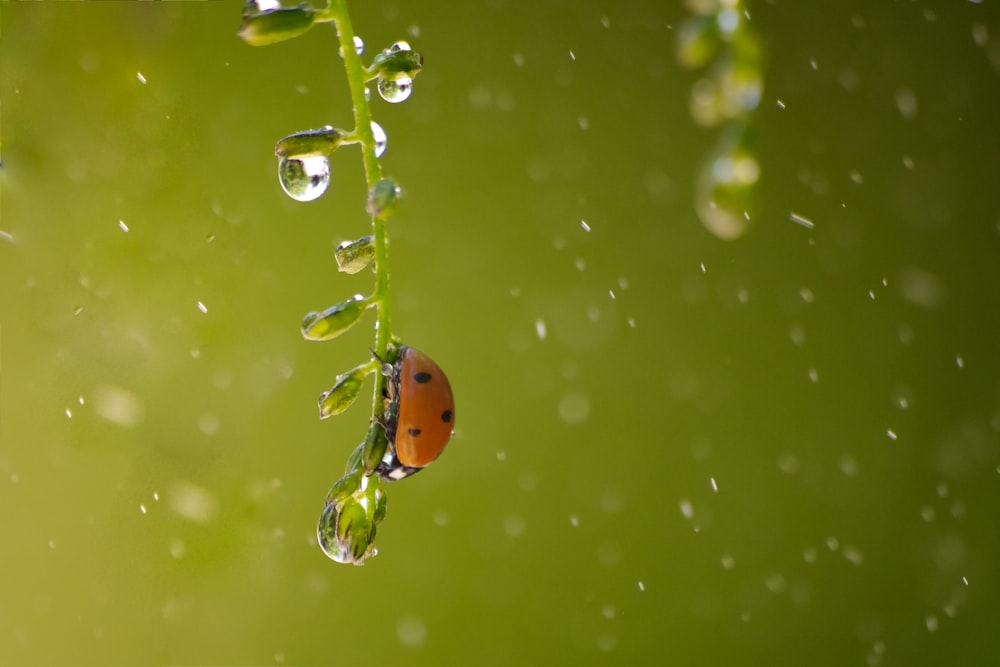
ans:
(356, 80)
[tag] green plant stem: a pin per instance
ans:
(357, 76)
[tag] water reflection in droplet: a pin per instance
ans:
(327, 529)
(304, 179)
(378, 134)
(395, 90)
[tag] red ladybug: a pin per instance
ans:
(420, 416)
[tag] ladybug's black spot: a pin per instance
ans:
(413, 431)
(422, 377)
(446, 416)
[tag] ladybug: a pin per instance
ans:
(420, 414)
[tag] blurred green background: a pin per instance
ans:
(671, 449)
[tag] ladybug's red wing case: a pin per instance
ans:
(423, 414)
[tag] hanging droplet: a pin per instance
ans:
(359, 46)
(304, 179)
(326, 534)
(378, 134)
(347, 525)
(395, 90)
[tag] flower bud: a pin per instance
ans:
(383, 198)
(344, 391)
(374, 447)
(395, 63)
(353, 256)
(276, 25)
(335, 320)
(310, 143)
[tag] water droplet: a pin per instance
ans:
(327, 529)
(801, 219)
(177, 548)
(411, 631)
(540, 329)
(399, 46)
(980, 34)
(932, 622)
(514, 526)
(193, 502)
(687, 509)
(119, 406)
(122, 225)
(359, 45)
(395, 90)
(378, 134)
(607, 643)
(304, 179)
(853, 555)
(574, 408)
